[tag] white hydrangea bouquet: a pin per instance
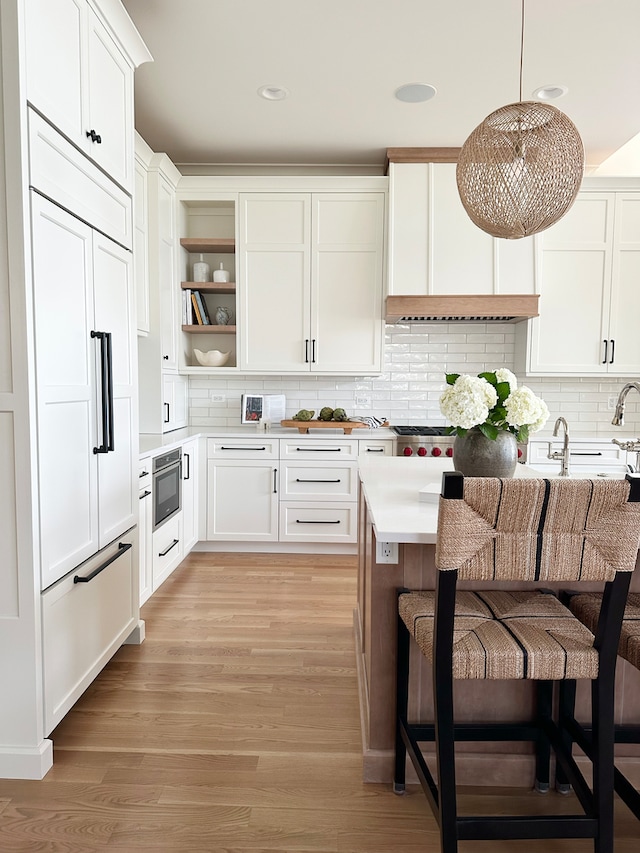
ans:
(492, 402)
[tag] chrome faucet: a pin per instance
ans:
(562, 455)
(618, 418)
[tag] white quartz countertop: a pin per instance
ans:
(391, 486)
(150, 443)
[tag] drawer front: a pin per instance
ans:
(331, 522)
(583, 455)
(144, 475)
(67, 177)
(85, 623)
(319, 481)
(242, 448)
(320, 451)
(371, 447)
(166, 543)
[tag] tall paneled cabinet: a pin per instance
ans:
(68, 400)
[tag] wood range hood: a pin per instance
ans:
(507, 308)
(494, 308)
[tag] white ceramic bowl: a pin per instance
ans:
(211, 358)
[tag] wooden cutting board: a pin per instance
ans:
(304, 426)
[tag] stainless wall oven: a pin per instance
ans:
(167, 486)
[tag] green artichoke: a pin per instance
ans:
(326, 413)
(304, 415)
(340, 415)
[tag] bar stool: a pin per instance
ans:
(538, 531)
(587, 607)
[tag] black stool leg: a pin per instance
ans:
(445, 755)
(566, 712)
(602, 699)
(544, 699)
(402, 694)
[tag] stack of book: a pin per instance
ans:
(194, 309)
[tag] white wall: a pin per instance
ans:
(416, 360)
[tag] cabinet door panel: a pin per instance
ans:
(569, 333)
(623, 328)
(113, 287)
(242, 502)
(110, 104)
(56, 44)
(274, 252)
(65, 370)
(346, 309)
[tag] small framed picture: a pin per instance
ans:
(251, 408)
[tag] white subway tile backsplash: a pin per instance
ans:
(416, 361)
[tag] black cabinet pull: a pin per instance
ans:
(104, 382)
(143, 474)
(94, 137)
(166, 550)
(275, 481)
(318, 449)
(606, 348)
(109, 371)
(168, 412)
(313, 351)
(613, 350)
(187, 476)
(242, 448)
(306, 350)
(122, 547)
(375, 449)
(302, 521)
(299, 480)
(144, 495)
(577, 453)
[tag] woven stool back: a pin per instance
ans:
(538, 530)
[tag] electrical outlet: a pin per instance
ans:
(611, 402)
(363, 401)
(386, 552)
(218, 398)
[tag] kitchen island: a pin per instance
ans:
(392, 512)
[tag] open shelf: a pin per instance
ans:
(210, 286)
(209, 244)
(210, 329)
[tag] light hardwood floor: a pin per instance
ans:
(235, 728)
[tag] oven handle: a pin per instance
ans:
(122, 547)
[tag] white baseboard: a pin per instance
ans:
(29, 762)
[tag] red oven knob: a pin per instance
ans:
(422, 451)
(407, 452)
(449, 451)
(519, 453)
(436, 452)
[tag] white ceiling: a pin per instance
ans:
(342, 61)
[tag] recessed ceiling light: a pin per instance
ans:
(273, 93)
(549, 93)
(415, 93)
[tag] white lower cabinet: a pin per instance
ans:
(86, 616)
(242, 500)
(167, 552)
(331, 521)
(190, 484)
(145, 523)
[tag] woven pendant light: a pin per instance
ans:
(520, 170)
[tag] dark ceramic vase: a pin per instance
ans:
(475, 455)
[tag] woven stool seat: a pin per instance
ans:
(506, 635)
(587, 608)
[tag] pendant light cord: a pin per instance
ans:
(521, 48)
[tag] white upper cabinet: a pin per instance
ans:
(434, 248)
(312, 280)
(81, 81)
(589, 270)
